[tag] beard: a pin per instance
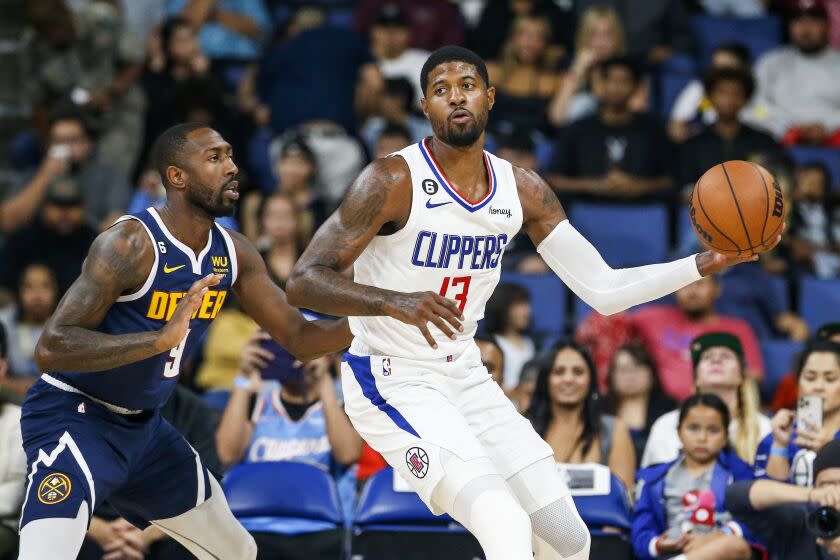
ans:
(460, 135)
(203, 198)
(812, 48)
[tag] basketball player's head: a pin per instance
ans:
(196, 164)
(457, 96)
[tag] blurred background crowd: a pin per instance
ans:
(620, 104)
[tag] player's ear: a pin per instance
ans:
(425, 106)
(491, 97)
(176, 176)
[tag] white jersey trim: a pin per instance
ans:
(231, 248)
(195, 260)
(152, 273)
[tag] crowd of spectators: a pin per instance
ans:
(666, 396)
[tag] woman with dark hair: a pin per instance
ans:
(634, 394)
(280, 244)
(566, 411)
(507, 318)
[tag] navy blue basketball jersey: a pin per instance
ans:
(147, 384)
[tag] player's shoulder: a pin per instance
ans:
(126, 237)
(392, 169)
(529, 184)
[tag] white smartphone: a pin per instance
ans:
(809, 412)
(60, 151)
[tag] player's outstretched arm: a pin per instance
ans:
(378, 201)
(118, 262)
(581, 267)
(266, 303)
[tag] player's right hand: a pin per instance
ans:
(421, 308)
(176, 328)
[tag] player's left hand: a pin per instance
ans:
(712, 262)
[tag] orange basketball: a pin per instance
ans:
(737, 208)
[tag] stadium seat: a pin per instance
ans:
(625, 235)
(819, 301)
(759, 35)
(548, 300)
(779, 356)
(830, 157)
(392, 524)
(671, 85)
(216, 399)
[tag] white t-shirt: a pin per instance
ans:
(408, 65)
(515, 357)
(663, 444)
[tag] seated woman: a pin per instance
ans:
(718, 362)
(634, 394)
(679, 512)
(565, 410)
(788, 453)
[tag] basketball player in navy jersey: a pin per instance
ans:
(425, 229)
(112, 352)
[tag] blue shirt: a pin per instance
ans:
(800, 460)
(217, 41)
(147, 384)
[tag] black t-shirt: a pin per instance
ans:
(590, 148)
(709, 148)
(294, 410)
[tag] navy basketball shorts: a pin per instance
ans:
(78, 450)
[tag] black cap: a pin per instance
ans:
(828, 457)
(827, 331)
(807, 7)
(64, 191)
(392, 14)
(708, 340)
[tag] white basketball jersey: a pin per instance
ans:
(449, 245)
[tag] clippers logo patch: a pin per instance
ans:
(418, 461)
(54, 489)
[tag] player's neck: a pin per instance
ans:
(464, 167)
(188, 226)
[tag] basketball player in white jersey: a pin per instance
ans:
(426, 229)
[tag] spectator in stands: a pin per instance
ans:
(693, 107)
(59, 238)
(788, 453)
(787, 389)
(390, 38)
(634, 394)
(600, 36)
(12, 461)
(494, 24)
(706, 465)
(86, 58)
(813, 226)
(656, 29)
(616, 153)
(727, 138)
(37, 296)
(525, 78)
(518, 148)
(777, 513)
(393, 138)
(72, 152)
(718, 360)
(667, 332)
(796, 98)
(565, 410)
(280, 244)
(227, 338)
(493, 358)
(395, 108)
(434, 23)
(228, 29)
(507, 319)
(111, 536)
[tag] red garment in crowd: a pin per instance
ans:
(370, 463)
(602, 336)
(787, 392)
(434, 23)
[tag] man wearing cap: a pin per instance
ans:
(59, 238)
(797, 97)
(718, 367)
(777, 512)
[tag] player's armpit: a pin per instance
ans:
(118, 262)
(540, 206)
(266, 303)
(379, 201)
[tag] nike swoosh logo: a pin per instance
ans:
(167, 270)
(430, 204)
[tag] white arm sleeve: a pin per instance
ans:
(605, 289)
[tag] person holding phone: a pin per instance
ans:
(788, 453)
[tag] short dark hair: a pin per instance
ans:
(813, 347)
(402, 88)
(738, 50)
(66, 112)
(705, 399)
(167, 148)
(717, 75)
(394, 129)
(623, 61)
(503, 298)
(452, 53)
(518, 139)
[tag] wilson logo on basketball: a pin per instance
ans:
(702, 232)
(779, 202)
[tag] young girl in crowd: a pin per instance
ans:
(718, 361)
(679, 511)
(566, 411)
(788, 453)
